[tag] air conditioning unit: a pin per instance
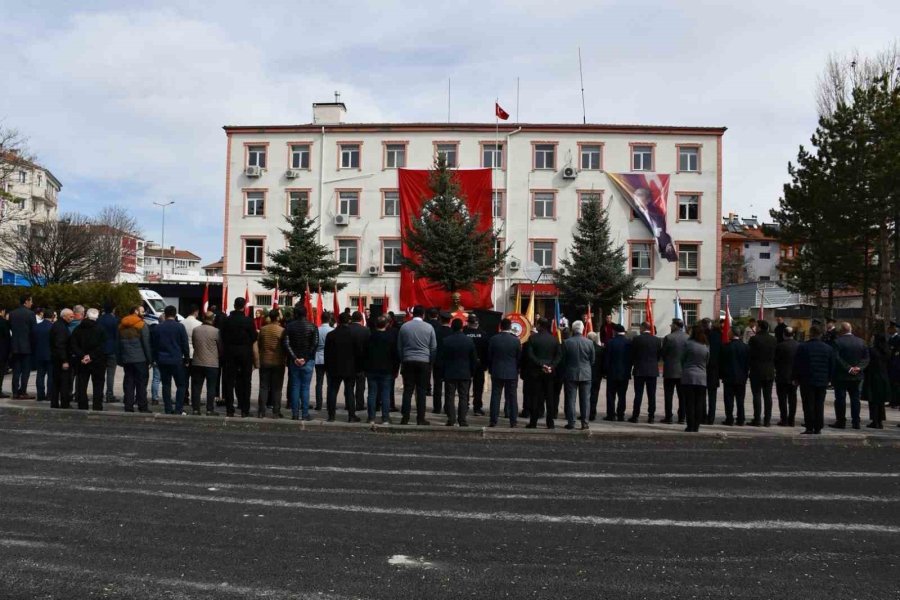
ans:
(253, 171)
(341, 220)
(292, 173)
(569, 173)
(374, 271)
(515, 264)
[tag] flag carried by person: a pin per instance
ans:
(335, 305)
(319, 307)
(589, 326)
(307, 303)
(499, 112)
(726, 326)
(679, 313)
(648, 310)
(246, 300)
(205, 302)
(361, 307)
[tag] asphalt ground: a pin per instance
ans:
(97, 507)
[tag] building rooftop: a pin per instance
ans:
(491, 127)
(170, 252)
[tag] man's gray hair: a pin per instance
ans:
(788, 332)
(846, 327)
(578, 327)
(93, 314)
(78, 309)
(65, 312)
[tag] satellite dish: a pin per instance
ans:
(532, 270)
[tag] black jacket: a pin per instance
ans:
(59, 342)
(361, 340)
(850, 351)
(238, 334)
(645, 355)
(762, 356)
(784, 360)
(300, 339)
(441, 332)
(458, 356)
(5, 341)
(22, 322)
(814, 363)
(734, 362)
(88, 339)
(617, 359)
(504, 352)
(342, 357)
(544, 350)
(480, 339)
(381, 353)
(715, 354)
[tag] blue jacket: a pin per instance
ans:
(504, 351)
(170, 343)
(41, 333)
(814, 363)
(109, 323)
(618, 359)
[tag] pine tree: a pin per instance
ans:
(304, 261)
(595, 272)
(447, 246)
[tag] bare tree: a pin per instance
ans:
(14, 157)
(844, 73)
(53, 251)
(112, 228)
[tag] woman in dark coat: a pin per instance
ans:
(877, 383)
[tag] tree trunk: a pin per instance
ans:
(885, 279)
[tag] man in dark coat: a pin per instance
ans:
(714, 336)
(645, 349)
(381, 362)
(734, 367)
(672, 353)
(480, 339)
(852, 358)
(504, 352)
(171, 352)
(762, 373)
(545, 354)
(61, 361)
(618, 372)
(341, 366)
(109, 323)
(814, 366)
(441, 331)
(5, 347)
(459, 360)
(87, 353)
(21, 323)
(41, 355)
(361, 335)
(785, 387)
(238, 335)
(780, 328)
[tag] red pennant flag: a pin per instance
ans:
(501, 114)
(589, 326)
(205, 298)
(649, 311)
(361, 308)
(336, 306)
(384, 302)
(225, 298)
(726, 326)
(308, 303)
(247, 301)
(319, 307)
(275, 297)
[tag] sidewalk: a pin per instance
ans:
(478, 426)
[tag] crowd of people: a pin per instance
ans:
(213, 356)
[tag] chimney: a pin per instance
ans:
(329, 113)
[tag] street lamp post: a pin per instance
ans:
(162, 253)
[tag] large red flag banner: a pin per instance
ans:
(475, 187)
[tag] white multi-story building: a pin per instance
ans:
(346, 175)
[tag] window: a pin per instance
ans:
(23, 176)
(348, 251)
(765, 278)
(263, 300)
(395, 156)
(40, 179)
(689, 159)
(641, 265)
(492, 156)
(688, 260)
(765, 255)
(688, 207)
(690, 310)
(391, 254)
(764, 244)
(253, 254)
(642, 158)
(355, 301)
(585, 198)
(497, 204)
(499, 245)
(544, 205)
(590, 157)
(256, 156)
(638, 312)
(298, 203)
(746, 245)
(448, 151)
(348, 203)
(391, 203)
(542, 254)
(545, 156)
(256, 204)
(300, 156)
(349, 156)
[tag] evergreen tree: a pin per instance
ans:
(447, 246)
(595, 272)
(304, 261)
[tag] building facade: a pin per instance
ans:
(752, 251)
(346, 175)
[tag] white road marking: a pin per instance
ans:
(401, 560)
(772, 525)
(14, 543)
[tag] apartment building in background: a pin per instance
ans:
(346, 175)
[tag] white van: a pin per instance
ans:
(154, 305)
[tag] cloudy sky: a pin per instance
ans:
(125, 101)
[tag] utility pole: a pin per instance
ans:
(162, 253)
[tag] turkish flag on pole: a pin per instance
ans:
(726, 326)
(246, 300)
(361, 308)
(336, 306)
(384, 302)
(225, 298)
(205, 298)
(589, 326)
(649, 310)
(319, 307)
(501, 114)
(308, 303)
(275, 296)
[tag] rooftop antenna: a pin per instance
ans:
(337, 97)
(448, 99)
(581, 76)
